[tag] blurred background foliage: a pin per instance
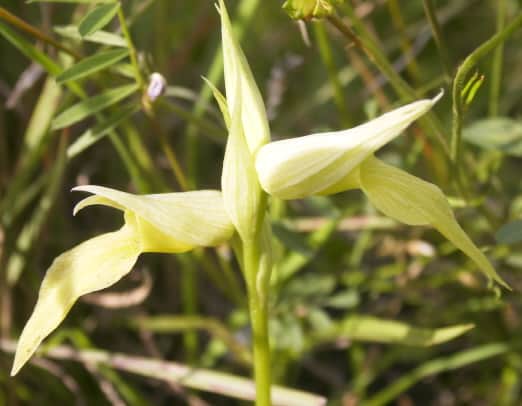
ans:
(364, 310)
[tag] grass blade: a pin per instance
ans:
(373, 329)
(93, 135)
(98, 18)
(92, 64)
(436, 366)
(87, 107)
(99, 37)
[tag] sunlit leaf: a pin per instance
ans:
(92, 64)
(93, 135)
(99, 37)
(71, 1)
(98, 18)
(366, 328)
(87, 107)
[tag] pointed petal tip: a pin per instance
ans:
(438, 96)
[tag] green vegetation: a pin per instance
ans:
(353, 298)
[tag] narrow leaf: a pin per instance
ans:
(71, 1)
(92, 64)
(98, 18)
(435, 366)
(99, 37)
(93, 135)
(363, 328)
(90, 106)
(29, 49)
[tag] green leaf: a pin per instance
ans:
(92, 64)
(93, 135)
(29, 50)
(99, 37)
(98, 18)
(502, 134)
(71, 1)
(90, 106)
(365, 328)
(510, 233)
(435, 366)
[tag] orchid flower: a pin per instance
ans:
(327, 163)
(166, 223)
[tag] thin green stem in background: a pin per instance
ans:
(460, 80)
(34, 32)
(400, 26)
(429, 9)
(325, 51)
(132, 50)
(363, 39)
(496, 67)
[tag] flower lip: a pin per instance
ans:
(197, 218)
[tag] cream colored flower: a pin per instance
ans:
(167, 223)
(323, 164)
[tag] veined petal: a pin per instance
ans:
(238, 73)
(414, 201)
(93, 265)
(241, 190)
(188, 219)
(314, 164)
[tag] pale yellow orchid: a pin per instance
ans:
(327, 163)
(165, 223)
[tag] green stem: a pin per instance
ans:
(325, 52)
(460, 79)
(132, 50)
(34, 32)
(258, 307)
(400, 26)
(429, 9)
(496, 68)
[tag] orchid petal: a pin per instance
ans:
(241, 190)
(190, 219)
(238, 74)
(414, 201)
(314, 164)
(93, 265)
